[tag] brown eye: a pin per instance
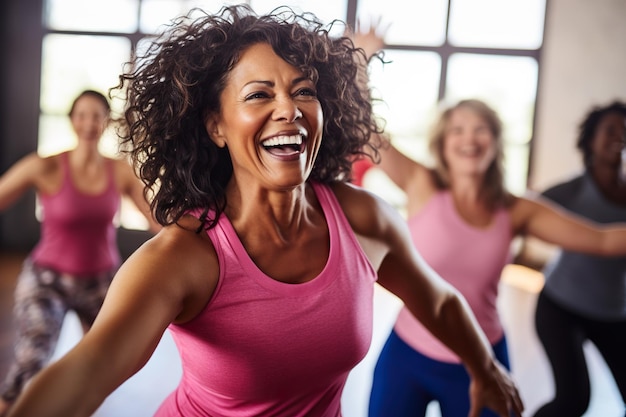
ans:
(257, 95)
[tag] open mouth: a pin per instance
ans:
(284, 145)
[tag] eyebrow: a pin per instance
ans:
(272, 84)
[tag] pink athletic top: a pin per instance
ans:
(77, 232)
(266, 348)
(469, 258)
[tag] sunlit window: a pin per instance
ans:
(440, 51)
(92, 16)
(156, 13)
(497, 23)
(409, 22)
(326, 11)
(485, 49)
(70, 64)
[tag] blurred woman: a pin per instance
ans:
(76, 257)
(584, 297)
(462, 221)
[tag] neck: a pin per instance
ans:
(276, 214)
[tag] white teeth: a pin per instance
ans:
(283, 140)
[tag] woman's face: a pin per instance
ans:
(608, 139)
(89, 118)
(469, 145)
(270, 119)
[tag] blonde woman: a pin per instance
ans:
(462, 221)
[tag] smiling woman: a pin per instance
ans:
(460, 210)
(264, 88)
(73, 263)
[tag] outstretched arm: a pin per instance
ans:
(164, 281)
(18, 179)
(409, 175)
(385, 238)
(133, 188)
(546, 221)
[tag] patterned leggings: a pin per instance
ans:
(42, 298)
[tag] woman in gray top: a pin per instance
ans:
(584, 297)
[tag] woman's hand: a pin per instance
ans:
(496, 391)
(370, 37)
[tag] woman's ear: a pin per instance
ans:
(212, 127)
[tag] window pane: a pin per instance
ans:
(326, 11)
(516, 158)
(103, 15)
(71, 64)
(408, 86)
(509, 84)
(418, 22)
(497, 23)
(155, 13)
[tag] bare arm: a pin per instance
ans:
(18, 179)
(162, 282)
(546, 221)
(385, 237)
(410, 176)
(132, 187)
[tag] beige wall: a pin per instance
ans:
(583, 64)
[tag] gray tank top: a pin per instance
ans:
(592, 286)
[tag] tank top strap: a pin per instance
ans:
(65, 164)
(110, 168)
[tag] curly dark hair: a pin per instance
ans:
(588, 127)
(177, 83)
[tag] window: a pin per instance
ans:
(441, 51)
(486, 49)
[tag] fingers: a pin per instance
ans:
(518, 405)
(475, 409)
(373, 24)
(513, 406)
(500, 395)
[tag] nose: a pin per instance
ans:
(287, 110)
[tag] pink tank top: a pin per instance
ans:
(78, 236)
(266, 348)
(469, 258)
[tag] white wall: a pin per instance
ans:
(583, 64)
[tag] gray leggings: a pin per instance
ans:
(42, 298)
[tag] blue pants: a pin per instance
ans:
(405, 382)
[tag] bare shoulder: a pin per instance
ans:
(41, 165)
(122, 168)
(181, 263)
(45, 172)
(125, 176)
(522, 210)
(366, 212)
(120, 163)
(379, 227)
